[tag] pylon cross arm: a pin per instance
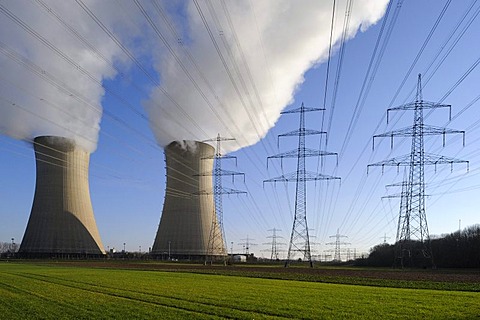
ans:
(305, 132)
(302, 109)
(307, 152)
(231, 191)
(309, 176)
(393, 162)
(418, 104)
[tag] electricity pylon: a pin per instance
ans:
(274, 243)
(338, 243)
(217, 240)
(247, 244)
(385, 238)
(413, 240)
(299, 239)
(402, 215)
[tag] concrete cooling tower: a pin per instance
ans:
(189, 209)
(61, 222)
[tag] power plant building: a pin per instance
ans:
(61, 222)
(188, 216)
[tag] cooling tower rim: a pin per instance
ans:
(58, 143)
(188, 145)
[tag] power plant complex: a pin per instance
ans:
(188, 217)
(61, 222)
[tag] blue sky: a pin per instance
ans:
(127, 174)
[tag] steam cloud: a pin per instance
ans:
(41, 91)
(51, 81)
(267, 46)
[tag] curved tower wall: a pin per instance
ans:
(189, 208)
(61, 221)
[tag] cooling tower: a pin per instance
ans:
(188, 209)
(61, 222)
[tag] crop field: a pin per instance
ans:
(146, 291)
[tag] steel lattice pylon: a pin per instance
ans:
(413, 240)
(217, 240)
(337, 257)
(299, 239)
(274, 243)
(403, 225)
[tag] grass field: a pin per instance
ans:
(33, 291)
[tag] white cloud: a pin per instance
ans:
(279, 40)
(43, 92)
(51, 82)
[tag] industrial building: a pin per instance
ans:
(188, 217)
(61, 223)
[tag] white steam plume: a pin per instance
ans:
(47, 79)
(265, 47)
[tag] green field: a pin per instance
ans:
(30, 291)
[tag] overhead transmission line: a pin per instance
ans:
(62, 87)
(63, 56)
(346, 26)
(179, 62)
(49, 78)
(92, 47)
(469, 22)
(439, 18)
(451, 47)
(224, 63)
(373, 65)
(420, 52)
(468, 70)
(370, 75)
(161, 12)
(223, 60)
(129, 54)
(246, 67)
(327, 74)
(97, 52)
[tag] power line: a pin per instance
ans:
(413, 223)
(300, 239)
(274, 244)
(338, 245)
(217, 239)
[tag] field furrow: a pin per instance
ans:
(59, 291)
(182, 304)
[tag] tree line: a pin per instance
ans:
(460, 249)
